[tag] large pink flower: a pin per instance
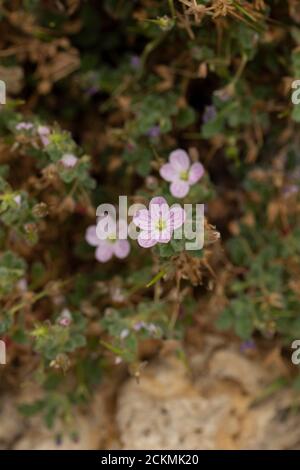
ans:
(180, 173)
(158, 223)
(109, 246)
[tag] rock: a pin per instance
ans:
(169, 410)
(233, 366)
(12, 423)
(272, 425)
(165, 411)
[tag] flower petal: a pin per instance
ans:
(158, 200)
(179, 159)
(146, 240)
(104, 251)
(106, 226)
(159, 209)
(168, 172)
(91, 236)
(196, 172)
(177, 217)
(179, 188)
(142, 219)
(68, 160)
(165, 235)
(121, 248)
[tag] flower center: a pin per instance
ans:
(112, 238)
(184, 175)
(161, 224)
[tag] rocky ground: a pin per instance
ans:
(220, 398)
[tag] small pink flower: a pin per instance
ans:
(180, 173)
(44, 132)
(69, 160)
(158, 223)
(65, 318)
(22, 285)
(109, 246)
(24, 126)
(18, 199)
(124, 333)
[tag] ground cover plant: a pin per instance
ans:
(185, 100)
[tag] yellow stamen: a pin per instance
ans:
(184, 175)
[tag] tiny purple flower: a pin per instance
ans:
(180, 173)
(69, 160)
(247, 345)
(58, 440)
(158, 223)
(92, 90)
(135, 62)
(139, 325)
(209, 114)
(110, 245)
(154, 132)
(290, 190)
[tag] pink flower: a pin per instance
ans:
(65, 318)
(158, 223)
(24, 126)
(180, 173)
(44, 132)
(108, 247)
(69, 160)
(18, 199)
(22, 285)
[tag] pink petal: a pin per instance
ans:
(68, 160)
(142, 219)
(91, 236)
(179, 159)
(45, 140)
(121, 248)
(196, 172)
(158, 208)
(105, 227)
(145, 240)
(158, 200)
(179, 188)
(104, 251)
(164, 236)
(168, 172)
(177, 217)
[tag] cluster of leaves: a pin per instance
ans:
(131, 82)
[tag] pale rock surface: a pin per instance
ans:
(12, 424)
(166, 411)
(212, 408)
